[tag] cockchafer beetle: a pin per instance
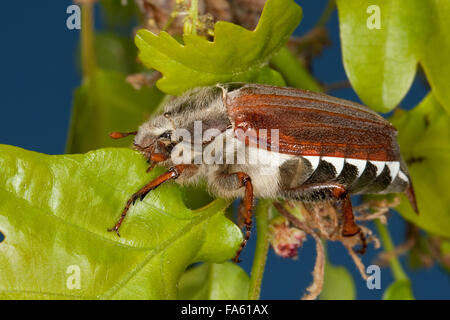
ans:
(316, 148)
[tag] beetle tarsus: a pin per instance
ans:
(245, 181)
(363, 248)
(115, 229)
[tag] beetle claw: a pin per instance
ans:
(116, 230)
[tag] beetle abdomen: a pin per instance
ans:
(358, 176)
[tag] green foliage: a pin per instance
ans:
(212, 281)
(118, 13)
(424, 138)
(427, 248)
(55, 214)
(381, 63)
(107, 103)
(445, 252)
(293, 71)
(115, 52)
(54, 210)
(338, 284)
(262, 248)
(399, 290)
(236, 54)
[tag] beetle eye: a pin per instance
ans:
(166, 135)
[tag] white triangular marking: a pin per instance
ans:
(394, 167)
(379, 165)
(337, 162)
(359, 164)
(314, 160)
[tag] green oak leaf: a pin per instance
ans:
(430, 248)
(338, 284)
(212, 281)
(116, 52)
(399, 290)
(55, 211)
(118, 13)
(236, 54)
(424, 138)
(106, 103)
(381, 63)
(445, 252)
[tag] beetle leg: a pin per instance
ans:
(335, 191)
(155, 158)
(349, 228)
(248, 210)
(240, 221)
(363, 248)
(173, 173)
(233, 181)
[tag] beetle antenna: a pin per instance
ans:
(120, 135)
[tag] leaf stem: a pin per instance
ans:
(326, 14)
(194, 15)
(169, 22)
(88, 59)
(262, 247)
(293, 71)
(396, 267)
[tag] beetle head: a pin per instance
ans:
(156, 136)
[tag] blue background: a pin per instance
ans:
(39, 74)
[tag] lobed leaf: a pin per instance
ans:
(236, 54)
(424, 138)
(212, 281)
(399, 290)
(118, 13)
(445, 252)
(116, 52)
(381, 63)
(108, 103)
(338, 284)
(54, 214)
